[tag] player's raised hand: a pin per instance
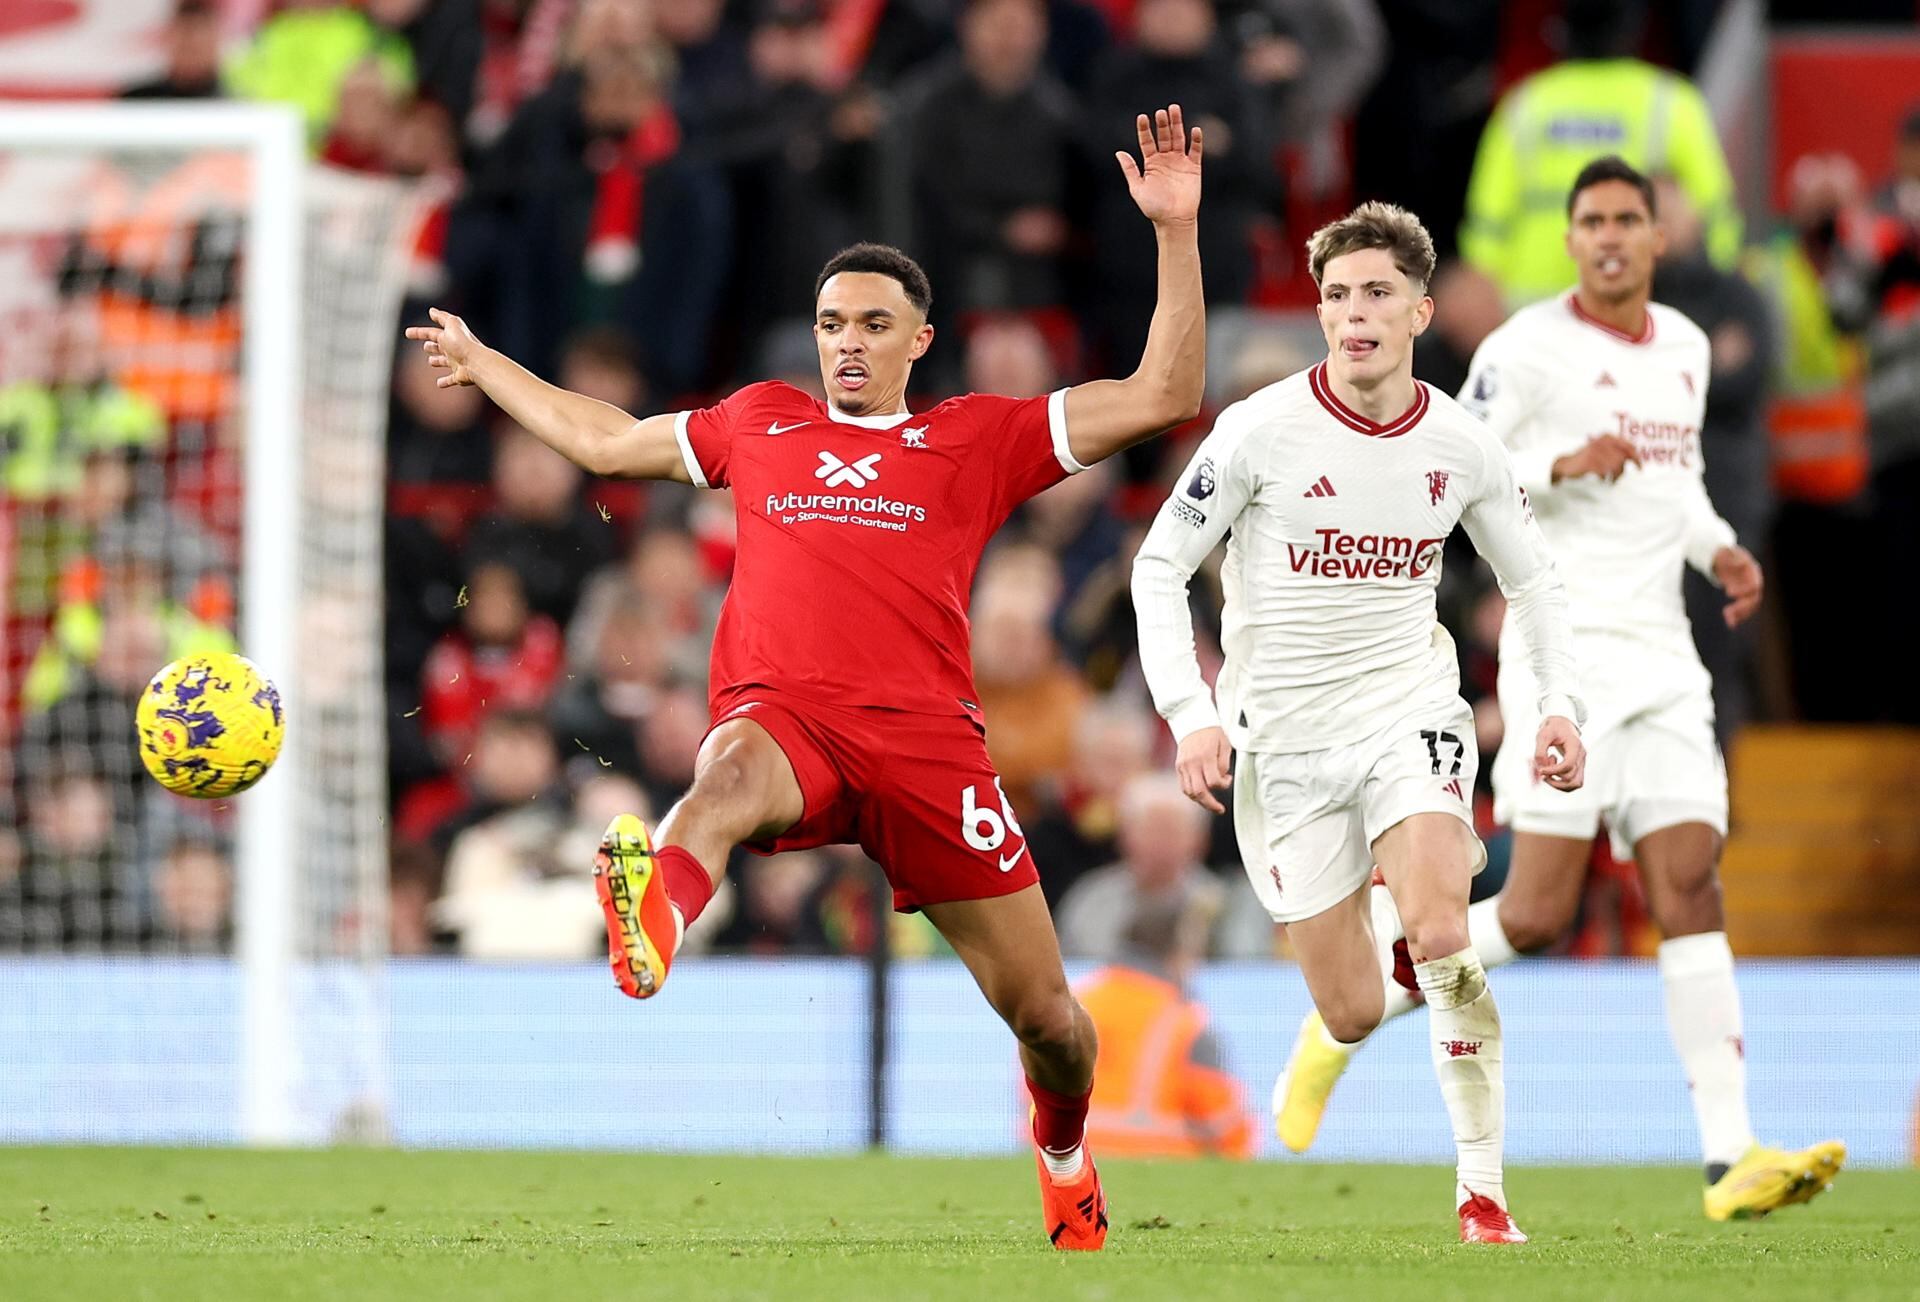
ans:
(1165, 183)
(1605, 455)
(1739, 576)
(1203, 766)
(1559, 756)
(450, 346)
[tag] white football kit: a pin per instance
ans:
(1546, 382)
(1340, 689)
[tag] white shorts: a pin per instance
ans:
(1307, 821)
(1657, 768)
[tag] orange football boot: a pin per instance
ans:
(1074, 1211)
(641, 930)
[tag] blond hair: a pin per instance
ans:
(1375, 225)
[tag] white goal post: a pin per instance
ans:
(321, 271)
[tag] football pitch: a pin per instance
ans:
(375, 1224)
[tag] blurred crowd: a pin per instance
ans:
(633, 197)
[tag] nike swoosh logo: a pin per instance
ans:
(1007, 863)
(776, 427)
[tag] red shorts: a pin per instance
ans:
(915, 791)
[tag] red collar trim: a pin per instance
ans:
(1644, 337)
(1353, 420)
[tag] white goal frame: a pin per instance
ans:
(271, 371)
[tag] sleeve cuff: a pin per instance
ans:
(1057, 426)
(1707, 542)
(694, 471)
(1192, 717)
(1567, 707)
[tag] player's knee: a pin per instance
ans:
(1690, 904)
(1435, 937)
(1532, 928)
(1352, 1020)
(1048, 1024)
(730, 790)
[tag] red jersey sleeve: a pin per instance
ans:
(706, 436)
(1028, 437)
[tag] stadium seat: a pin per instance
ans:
(1824, 852)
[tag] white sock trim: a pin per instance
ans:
(1065, 1166)
(1706, 951)
(1452, 981)
(1487, 936)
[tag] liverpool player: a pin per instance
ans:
(1340, 690)
(1599, 394)
(842, 700)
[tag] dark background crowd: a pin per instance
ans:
(633, 197)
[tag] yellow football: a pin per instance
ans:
(209, 725)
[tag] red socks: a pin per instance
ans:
(688, 885)
(1059, 1120)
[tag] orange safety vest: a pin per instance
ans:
(1820, 451)
(1149, 1098)
(185, 357)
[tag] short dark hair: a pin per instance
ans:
(880, 260)
(1612, 167)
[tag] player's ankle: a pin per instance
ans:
(1064, 1165)
(689, 887)
(1466, 1188)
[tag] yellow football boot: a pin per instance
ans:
(1768, 1178)
(1300, 1095)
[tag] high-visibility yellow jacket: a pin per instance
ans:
(1556, 122)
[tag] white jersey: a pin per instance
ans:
(1550, 379)
(1337, 529)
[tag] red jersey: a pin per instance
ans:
(859, 536)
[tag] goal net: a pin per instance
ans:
(198, 332)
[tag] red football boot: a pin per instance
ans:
(1482, 1220)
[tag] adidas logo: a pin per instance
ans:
(1322, 488)
(1605, 382)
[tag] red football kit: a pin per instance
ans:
(845, 631)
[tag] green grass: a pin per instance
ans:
(152, 1223)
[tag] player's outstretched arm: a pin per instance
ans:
(594, 435)
(1105, 416)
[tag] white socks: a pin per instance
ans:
(1703, 1017)
(1386, 930)
(1064, 1166)
(1487, 936)
(1484, 934)
(1465, 1038)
